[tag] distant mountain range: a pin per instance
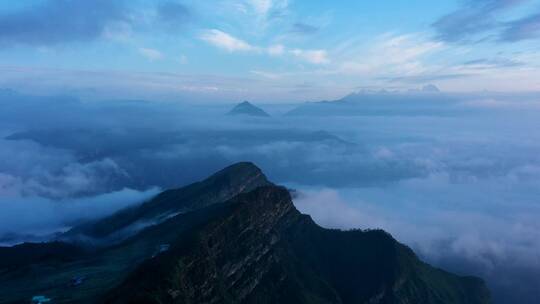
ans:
(247, 108)
(428, 101)
(232, 238)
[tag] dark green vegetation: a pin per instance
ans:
(246, 108)
(237, 239)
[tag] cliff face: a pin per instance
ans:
(262, 250)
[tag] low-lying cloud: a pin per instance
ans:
(38, 218)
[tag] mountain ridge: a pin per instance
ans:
(242, 241)
(282, 263)
(220, 186)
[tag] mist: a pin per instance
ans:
(454, 176)
(39, 219)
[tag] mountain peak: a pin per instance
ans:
(221, 186)
(241, 176)
(247, 108)
(241, 168)
(430, 88)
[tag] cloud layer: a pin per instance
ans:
(456, 176)
(48, 217)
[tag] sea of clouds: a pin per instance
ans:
(458, 180)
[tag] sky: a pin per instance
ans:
(266, 50)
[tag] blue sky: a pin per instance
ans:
(266, 50)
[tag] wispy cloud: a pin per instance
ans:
(226, 41)
(486, 63)
(258, 16)
(311, 56)
(276, 50)
(267, 75)
(261, 7)
(423, 78)
(264, 8)
(303, 28)
(231, 44)
(522, 29)
(480, 20)
(389, 54)
(151, 54)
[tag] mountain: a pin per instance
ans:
(219, 187)
(104, 252)
(430, 88)
(236, 239)
(414, 103)
(29, 253)
(247, 108)
(260, 249)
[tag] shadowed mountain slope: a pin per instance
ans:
(262, 250)
(232, 238)
(219, 187)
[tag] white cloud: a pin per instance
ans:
(118, 31)
(311, 56)
(399, 55)
(261, 7)
(182, 59)
(264, 74)
(331, 210)
(405, 48)
(276, 50)
(226, 41)
(151, 54)
(43, 217)
(230, 43)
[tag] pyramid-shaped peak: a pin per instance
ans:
(430, 88)
(247, 108)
